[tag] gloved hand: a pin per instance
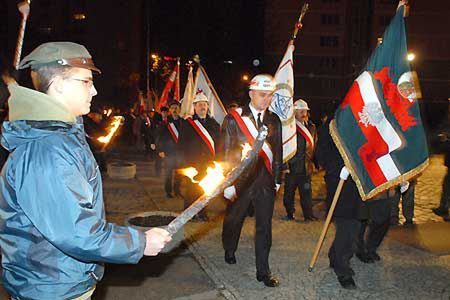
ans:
(229, 193)
(157, 238)
(277, 187)
(404, 186)
(344, 173)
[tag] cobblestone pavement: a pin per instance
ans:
(404, 272)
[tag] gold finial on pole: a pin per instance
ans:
(299, 25)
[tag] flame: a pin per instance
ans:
(246, 148)
(214, 177)
(115, 124)
(190, 172)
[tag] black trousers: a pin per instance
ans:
(171, 176)
(379, 212)
(303, 184)
(342, 249)
(262, 196)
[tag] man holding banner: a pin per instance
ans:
(261, 182)
(197, 146)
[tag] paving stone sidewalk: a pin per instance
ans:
(403, 273)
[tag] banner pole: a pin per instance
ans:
(326, 225)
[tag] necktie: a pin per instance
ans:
(259, 122)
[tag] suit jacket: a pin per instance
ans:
(233, 138)
(192, 150)
(164, 140)
(303, 161)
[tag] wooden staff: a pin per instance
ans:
(24, 9)
(326, 225)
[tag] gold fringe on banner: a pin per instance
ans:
(385, 186)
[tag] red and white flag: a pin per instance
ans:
(165, 94)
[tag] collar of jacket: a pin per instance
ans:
(30, 105)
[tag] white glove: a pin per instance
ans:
(277, 187)
(156, 239)
(230, 192)
(344, 173)
(404, 186)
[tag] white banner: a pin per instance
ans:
(202, 83)
(283, 103)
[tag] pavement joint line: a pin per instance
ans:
(228, 291)
(208, 295)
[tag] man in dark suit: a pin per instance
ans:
(260, 182)
(348, 211)
(167, 147)
(198, 143)
(301, 165)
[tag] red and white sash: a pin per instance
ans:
(173, 131)
(303, 130)
(251, 132)
(203, 133)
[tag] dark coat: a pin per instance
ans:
(164, 140)
(233, 138)
(303, 161)
(192, 151)
(349, 204)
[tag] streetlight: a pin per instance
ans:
(244, 77)
(411, 56)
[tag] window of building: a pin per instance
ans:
(328, 63)
(329, 41)
(330, 19)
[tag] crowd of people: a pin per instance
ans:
(54, 237)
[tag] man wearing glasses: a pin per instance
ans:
(53, 235)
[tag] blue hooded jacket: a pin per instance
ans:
(53, 233)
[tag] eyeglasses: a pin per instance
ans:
(89, 83)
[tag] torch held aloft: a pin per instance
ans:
(203, 200)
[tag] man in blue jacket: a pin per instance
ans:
(53, 234)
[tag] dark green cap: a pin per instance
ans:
(62, 53)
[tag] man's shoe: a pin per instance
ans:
(311, 218)
(289, 217)
(230, 258)
(347, 283)
(169, 195)
(440, 211)
(268, 280)
(374, 256)
(408, 223)
(365, 258)
(351, 270)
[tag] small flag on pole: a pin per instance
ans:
(216, 108)
(377, 128)
(163, 100)
(187, 108)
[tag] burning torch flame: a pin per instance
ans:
(115, 124)
(214, 177)
(246, 148)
